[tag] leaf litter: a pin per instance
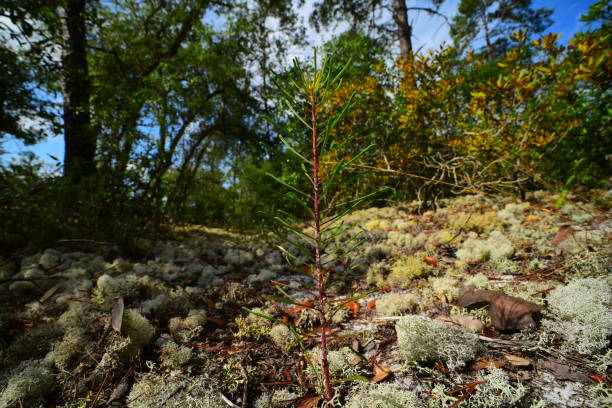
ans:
(180, 333)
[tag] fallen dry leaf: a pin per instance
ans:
(563, 371)
(310, 402)
(371, 305)
(483, 363)
(117, 315)
(517, 361)
(506, 312)
(380, 373)
(596, 378)
(217, 321)
(431, 261)
(564, 233)
(353, 307)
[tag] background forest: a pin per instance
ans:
(163, 107)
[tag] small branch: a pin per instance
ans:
(246, 385)
(227, 401)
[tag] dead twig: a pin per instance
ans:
(227, 401)
(245, 387)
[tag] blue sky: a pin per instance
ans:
(429, 32)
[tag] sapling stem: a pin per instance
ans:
(319, 273)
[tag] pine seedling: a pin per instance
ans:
(327, 240)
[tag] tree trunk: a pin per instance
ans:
(80, 141)
(404, 29)
(485, 25)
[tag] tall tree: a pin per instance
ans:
(387, 19)
(492, 21)
(80, 140)
(270, 28)
(27, 66)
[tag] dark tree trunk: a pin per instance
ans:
(80, 141)
(404, 29)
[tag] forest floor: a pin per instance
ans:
(482, 302)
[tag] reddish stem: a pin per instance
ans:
(318, 269)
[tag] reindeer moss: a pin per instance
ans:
(251, 329)
(31, 383)
(496, 247)
(277, 399)
(478, 281)
(281, 336)
(406, 269)
(67, 351)
(445, 288)
(423, 340)
(383, 395)
(173, 355)
(138, 329)
(174, 392)
(485, 223)
(581, 313)
(393, 304)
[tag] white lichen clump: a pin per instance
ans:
(422, 340)
(478, 281)
(496, 247)
(393, 304)
(445, 288)
(33, 382)
(281, 336)
(174, 355)
(384, 395)
(581, 313)
(496, 392)
(67, 351)
(138, 329)
(278, 399)
(190, 326)
(341, 365)
(155, 391)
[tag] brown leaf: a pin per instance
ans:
(468, 296)
(506, 312)
(517, 361)
(380, 373)
(483, 363)
(564, 233)
(117, 315)
(118, 393)
(512, 313)
(49, 293)
(563, 372)
(220, 322)
(309, 402)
